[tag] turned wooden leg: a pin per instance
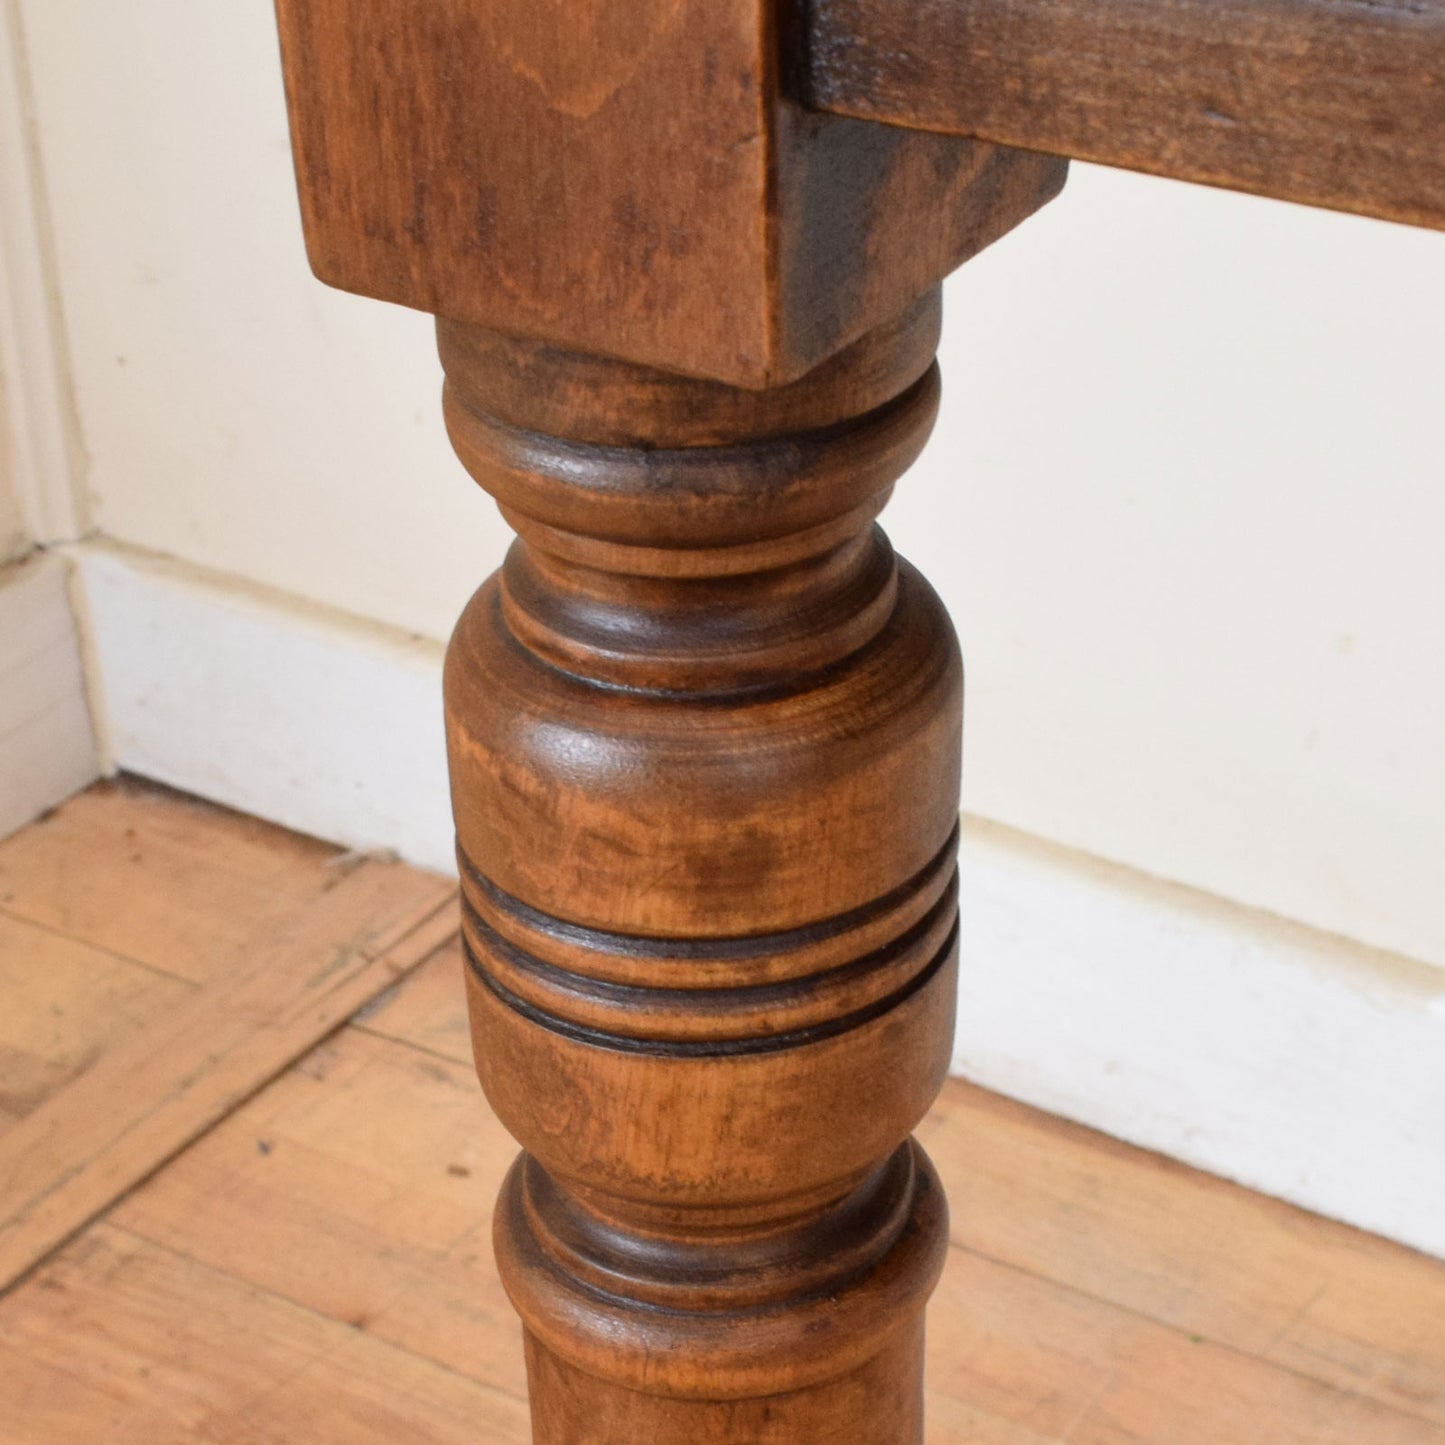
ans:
(704, 733)
(703, 726)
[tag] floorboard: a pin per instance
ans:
(120, 1341)
(186, 1066)
(65, 1003)
(151, 875)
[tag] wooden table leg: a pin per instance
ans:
(704, 732)
(704, 726)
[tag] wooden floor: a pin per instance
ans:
(246, 1177)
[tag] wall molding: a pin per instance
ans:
(1297, 1063)
(1290, 1060)
(269, 704)
(47, 750)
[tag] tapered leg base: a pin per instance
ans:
(878, 1403)
(734, 1334)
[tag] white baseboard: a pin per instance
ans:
(259, 701)
(1293, 1061)
(47, 748)
(1302, 1065)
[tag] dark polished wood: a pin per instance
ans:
(1337, 103)
(704, 725)
(704, 733)
(628, 178)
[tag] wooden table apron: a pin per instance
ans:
(704, 725)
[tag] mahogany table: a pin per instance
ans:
(704, 725)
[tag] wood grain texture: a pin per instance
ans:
(63, 1004)
(122, 1341)
(1337, 103)
(360, 1185)
(1208, 1258)
(169, 1080)
(174, 884)
(703, 726)
(1066, 1366)
(629, 180)
(703, 731)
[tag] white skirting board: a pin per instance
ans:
(1293, 1061)
(256, 700)
(47, 747)
(1299, 1064)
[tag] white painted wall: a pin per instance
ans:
(1188, 502)
(41, 454)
